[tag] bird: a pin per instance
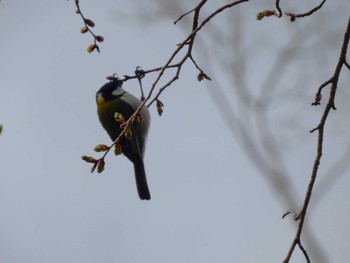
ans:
(111, 98)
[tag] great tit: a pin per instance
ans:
(111, 99)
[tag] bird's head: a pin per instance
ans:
(109, 91)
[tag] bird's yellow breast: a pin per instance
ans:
(103, 106)
(106, 111)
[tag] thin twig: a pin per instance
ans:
(182, 16)
(127, 77)
(347, 64)
(304, 252)
(309, 13)
(87, 24)
(278, 8)
(318, 95)
(182, 44)
(312, 10)
(320, 128)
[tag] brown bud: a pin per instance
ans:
(260, 16)
(100, 166)
(269, 12)
(83, 30)
(93, 167)
(91, 48)
(160, 106)
(88, 159)
(119, 117)
(139, 118)
(100, 38)
(117, 149)
(128, 133)
(89, 22)
(101, 148)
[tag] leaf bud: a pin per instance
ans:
(88, 159)
(93, 167)
(138, 118)
(128, 133)
(160, 106)
(83, 30)
(89, 22)
(117, 149)
(119, 117)
(100, 38)
(101, 148)
(91, 48)
(101, 166)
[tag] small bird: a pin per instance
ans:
(111, 99)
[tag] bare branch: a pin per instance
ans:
(190, 38)
(199, 6)
(318, 95)
(309, 13)
(278, 8)
(88, 24)
(304, 252)
(347, 64)
(320, 128)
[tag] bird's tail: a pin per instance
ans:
(141, 181)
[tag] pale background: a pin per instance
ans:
(210, 202)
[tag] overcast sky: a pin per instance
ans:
(209, 203)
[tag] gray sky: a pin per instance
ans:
(209, 204)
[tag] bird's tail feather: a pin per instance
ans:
(141, 181)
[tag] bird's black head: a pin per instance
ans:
(111, 90)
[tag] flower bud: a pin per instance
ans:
(259, 16)
(83, 30)
(117, 149)
(93, 167)
(100, 38)
(91, 48)
(138, 118)
(119, 117)
(128, 133)
(269, 12)
(160, 106)
(265, 13)
(101, 166)
(88, 159)
(101, 148)
(89, 22)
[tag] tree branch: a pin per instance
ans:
(88, 24)
(309, 13)
(320, 128)
(188, 41)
